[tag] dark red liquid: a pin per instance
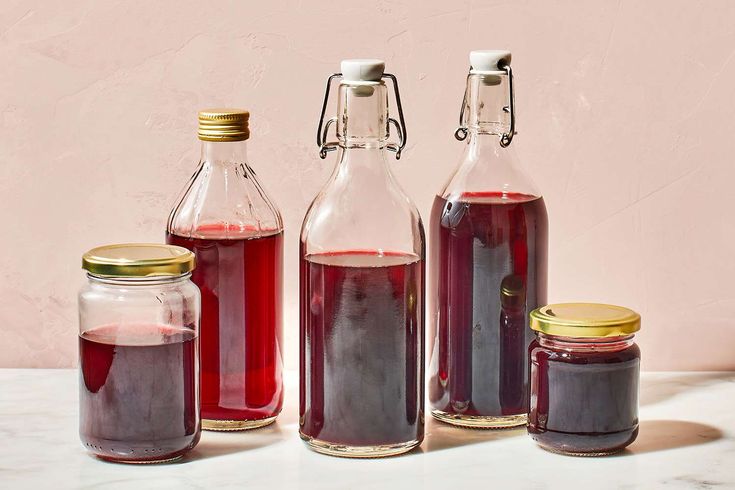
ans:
(241, 337)
(584, 402)
(362, 348)
(488, 259)
(138, 397)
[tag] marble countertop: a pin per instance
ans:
(687, 440)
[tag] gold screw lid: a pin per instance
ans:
(138, 260)
(224, 125)
(585, 320)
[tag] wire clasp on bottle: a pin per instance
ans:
(323, 128)
(506, 138)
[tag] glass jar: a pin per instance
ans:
(138, 353)
(362, 286)
(235, 230)
(488, 262)
(584, 378)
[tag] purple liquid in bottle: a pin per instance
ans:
(489, 254)
(362, 325)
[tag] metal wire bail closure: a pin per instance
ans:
(462, 131)
(400, 127)
(321, 136)
(323, 128)
(506, 138)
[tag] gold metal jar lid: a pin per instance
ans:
(585, 320)
(138, 260)
(224, 125)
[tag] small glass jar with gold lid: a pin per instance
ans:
(138, 353)
(584, 378)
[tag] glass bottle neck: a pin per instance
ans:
(362, 116)
(367, 161)
(486, 167)
(224, 153)
(487, 100)
(479, 143)
(362, 133)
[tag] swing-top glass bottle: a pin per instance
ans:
(488, 262)
(362, 286)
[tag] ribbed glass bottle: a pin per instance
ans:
(225, 217)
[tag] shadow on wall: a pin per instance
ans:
(659, 435)
(657, 387)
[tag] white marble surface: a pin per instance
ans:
(686, 441)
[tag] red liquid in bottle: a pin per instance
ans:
(489, 253)
(241, 339)
(362, 338)
(584, 402)
(138, 397)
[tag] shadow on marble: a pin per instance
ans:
(213, 444)
(659, 435)
(444, 436)
(658, 389)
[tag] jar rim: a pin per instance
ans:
(138, 260)
(585, 320)
(585, 340)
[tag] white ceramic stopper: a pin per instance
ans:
(362, 70)
(488, 61)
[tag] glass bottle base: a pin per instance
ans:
(481, 421)
(340, 450)
(583, 443)
(577, 453)
(140, 461)
(139, 452)
(232, 425)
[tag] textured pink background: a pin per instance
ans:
(626, 119)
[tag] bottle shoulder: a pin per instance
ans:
(485, 167)
(220, 200)
(363, 212)
(329, 208)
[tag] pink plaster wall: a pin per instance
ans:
(625, 119)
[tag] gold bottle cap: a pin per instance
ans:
(585, 320)
(224, 125)
(512, 292)
(138, 260)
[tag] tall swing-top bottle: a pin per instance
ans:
(488, 248)
(362, 285)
